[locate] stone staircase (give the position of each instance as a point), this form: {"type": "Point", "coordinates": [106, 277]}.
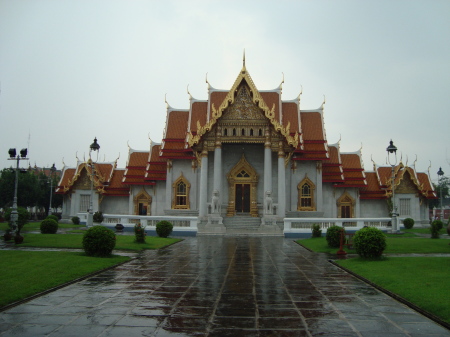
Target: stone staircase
{"type": "Point", "coordinates": [247, 225]}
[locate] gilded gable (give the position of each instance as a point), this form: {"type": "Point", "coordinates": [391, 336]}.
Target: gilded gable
{"type": "Point", "coordinates": [406, 185]}
{"type": "Point", "coordinates": [83, 182]}
{"type": "Point", "coordinates": [243, 108]}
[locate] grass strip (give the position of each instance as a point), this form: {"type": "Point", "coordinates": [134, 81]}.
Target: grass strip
{"type": "Point", "coordinates": [123, 242]}
{"type": "Point", "coordinates": [426, 289]}
{"type": "Point", "coordinates": [395, 245]}
{"type": "Point", "coordinates": [25, 273]}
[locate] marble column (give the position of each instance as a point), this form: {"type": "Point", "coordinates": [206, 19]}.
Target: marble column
{"type": "Point", "coordinates": [281, 212]}
{"type": "Point", "coordinates": [267, 166]}
{"type": "Point", "coordinates": [203, 207]}
{"type": "Point", "coordinates": [169, 185]}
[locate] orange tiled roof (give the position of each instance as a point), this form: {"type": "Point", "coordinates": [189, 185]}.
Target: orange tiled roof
{"type": "Point", "coordinates": [427, 186]}
{"type": "Point", "coordinates": [312, 126]}
{"type": "Point", "coordinates": [216, 98]}
{"type": "Point", "coordinates": [290, 115]}
{"type": "Point", "coordinates": [67, 176]}
{"type": "Point", "coordinates": [272, 98]}
{"type": "Point", "coordinates": [354, 175]}
{"type": "Point", "coordinates": [199, 111]}
{"type": "Point", "coordinates": [176, 127]}
{"type": "Point", "coordinates": [115, 187]}
{"type": "Point", "coordinates": [373, 189]}
{"type": "Point", "coordinates": [156, 167]}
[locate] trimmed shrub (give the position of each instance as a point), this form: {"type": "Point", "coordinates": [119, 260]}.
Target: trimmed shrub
{"type": "Point", "coordinates": [49, 226]}
{"type": "Point", "coordinates": [54, 217]}
{"type": "Point", "coordinates": [76, 220]}
{"type": "Point", "coordinates": [408, 223]}
{"type": "Point", "coordinates": [164, 228]}
{"type": "Point", "coordinates": [24, 216]}
{"type": "Point", "coordinates": [316, 231]}
{"type": "Point", "coordinates": [333, 236]}
{"type": "Point", "coordinates": [436, 226]}
{"type": "Point", "coordinates": [98, 217]}
{"type": "Point", "coordinates": [139, 233]}
{"type": "Point", "coordinates": [369, 242]}
{"type": "Point", "coordinates": [99, 241]}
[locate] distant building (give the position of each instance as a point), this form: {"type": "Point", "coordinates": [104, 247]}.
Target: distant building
{"type": "Point", "coordinates": [245, 152]}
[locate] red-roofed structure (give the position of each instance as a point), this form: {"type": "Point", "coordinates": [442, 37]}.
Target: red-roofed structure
{"type": "Point", "coordinates": [246, 152]}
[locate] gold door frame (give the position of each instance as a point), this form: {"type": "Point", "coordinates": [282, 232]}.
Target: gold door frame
{"type": "Point", "coordinates": [234, 178]}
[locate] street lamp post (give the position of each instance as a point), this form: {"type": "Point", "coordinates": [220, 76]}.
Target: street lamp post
{"type": "Point", "coordinates": [14, 214]}
{"type": "Point", "coordinates": [440, 175]}
{"type": "Point", "coordinates": [94, 147]}
{"type": "Point", "coordinates": [392, 149]}
{"type": "Point", "coordinates": [52, 170]}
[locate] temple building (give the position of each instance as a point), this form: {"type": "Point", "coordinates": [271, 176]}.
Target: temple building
{"type": "Point", "coordinates": [245, 155]}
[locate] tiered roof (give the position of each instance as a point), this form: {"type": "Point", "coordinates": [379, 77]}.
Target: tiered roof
{"type": "Point", "coordinates": [303, 130]}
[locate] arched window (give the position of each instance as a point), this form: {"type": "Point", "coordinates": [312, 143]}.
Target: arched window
{"type": "Point", "coordinates": [251, 132]}
{"type": "Point", "coordinates": [234, 132]}
{"type": "Point", "coordinates": [243, 132]}
{"type": "Point", "coordinates": [181, 189]}
{"type": "Point", "coordinates": [306, 190]}
{"type": "Point", "coordinates": [225, 132]}
{"type": "Point", "coordinates": [260, 132]}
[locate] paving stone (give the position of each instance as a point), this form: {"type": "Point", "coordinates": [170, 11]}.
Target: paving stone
{"type": "Point", "coordinates": [220, 286]}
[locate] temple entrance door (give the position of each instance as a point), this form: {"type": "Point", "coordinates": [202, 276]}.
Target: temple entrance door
{"type": "Point", "coordinates": [242, 198]}
{"type": "Point", "coordinates": [346, 211]}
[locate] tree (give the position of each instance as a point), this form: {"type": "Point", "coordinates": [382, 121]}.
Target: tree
{"type": "Point", "coordinates": [32, 190]}
{"type": "Point", "coordinates": [444, 184]}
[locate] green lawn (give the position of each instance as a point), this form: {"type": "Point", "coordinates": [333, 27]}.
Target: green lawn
{"type": "Point", "coordinates": [125, 242]}
{"type": "Point", "coordinates": [396, 244]}
{"type": "Point", "coordinates": [421, 280]}
{"type": "Point", "coordinates": [25, 273]}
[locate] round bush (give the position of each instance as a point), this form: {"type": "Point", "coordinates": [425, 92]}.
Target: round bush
{"type": "Point", "coordinates": [369, 242]}
{"type": "Point", "coordinates": [164, 228]}
{"type": "Point", "coordinates": [333, 236]}
{"type": "Point", "coordinates": [54, 217]}
{"type": "Point", "coordinates": [316, 231]}
{"type": "Point", "coordinates": [76, 220]}
{"type": "Point", "coordinates": [438, 224]}
{"type": "Point", "coordinates": [408, 223]}
{"type": "Point", "coordinates": [49, 226]}
{"type": "Point", "coordinates": [99, 241]}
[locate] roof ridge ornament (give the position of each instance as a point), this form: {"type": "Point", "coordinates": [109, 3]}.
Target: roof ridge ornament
{"type": "Point", "coordinates": [243, 60]}
{"type": "Point", "coordinates": [190, 96]}
{"type": "Point", "coordinates": [300, 93]}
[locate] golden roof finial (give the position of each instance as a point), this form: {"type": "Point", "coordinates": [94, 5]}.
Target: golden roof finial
{"type": "Point", "coordinates": [243, 60]}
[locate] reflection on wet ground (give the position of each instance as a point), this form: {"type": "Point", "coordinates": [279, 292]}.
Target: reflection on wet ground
{"type": "Point", "coordinates": [220, 286]}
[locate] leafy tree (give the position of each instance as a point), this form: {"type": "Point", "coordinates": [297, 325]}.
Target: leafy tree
{"type": "Point", "coordinates": [32, 190]}
{"type": "Point", "coordinates": [444, 184]}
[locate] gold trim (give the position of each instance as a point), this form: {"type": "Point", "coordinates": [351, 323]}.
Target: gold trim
{"type": "Point", "coordinates": [180, 179]}
{"type": "Point", "coordinates": [346, 200]}
{"type": "Point", "coordinates": [229, 99]}
{"type": "Point", "coordinates": [312, 187]}
{"type": "Point", "coordinates": [233, 179]}
{"type": "Point", "coordinates": [146, 198]}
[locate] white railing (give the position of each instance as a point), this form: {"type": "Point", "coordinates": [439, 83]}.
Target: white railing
{"type": "Point", "coordinates": [185, 223]}
{"type": "Point", "coordinates": [303, 225]}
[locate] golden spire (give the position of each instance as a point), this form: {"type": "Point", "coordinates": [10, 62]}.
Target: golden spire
{"type": "Point", "coordinates": [243, 60]}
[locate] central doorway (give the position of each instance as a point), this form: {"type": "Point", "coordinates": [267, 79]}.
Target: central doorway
{"type": "Point", "coordinates": [243, 181]}
{"type": "Point", "coordinates": [242, 198]}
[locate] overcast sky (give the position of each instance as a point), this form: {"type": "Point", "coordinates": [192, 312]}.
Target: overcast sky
{"type": "Point", "coordinates": [74, 70]}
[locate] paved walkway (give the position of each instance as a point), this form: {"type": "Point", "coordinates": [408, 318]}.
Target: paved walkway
{"type": "Point", "coordinates": [219, 286]}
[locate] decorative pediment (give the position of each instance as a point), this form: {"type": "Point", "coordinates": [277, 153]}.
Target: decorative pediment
{"type": "Point", "coordinates": [243, 171]}
{"type": "Point", "coordinates": [243, 108]}
{"type": "Point", "coordinates": [235, 94]}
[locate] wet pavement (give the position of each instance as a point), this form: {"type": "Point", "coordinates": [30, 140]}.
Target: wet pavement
{"type": "Point", "coordinates": [219, 286]}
